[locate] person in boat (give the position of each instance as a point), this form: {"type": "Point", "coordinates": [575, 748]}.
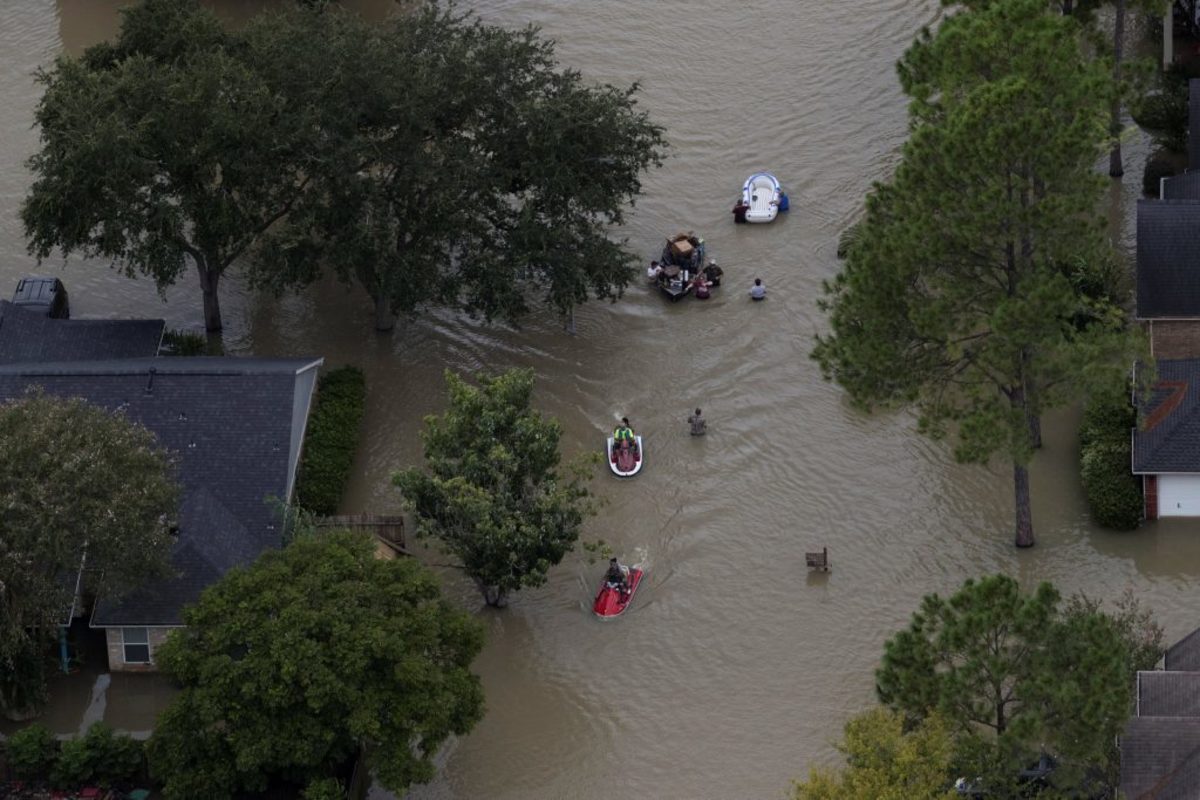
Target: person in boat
{"type": "Point", "coordinates": [623, 435]}
{"type": "Point", "coordinates": [758, 291]}
{"type": "Point", "coordinates": [739, 210]}
{"type": "Point", "coordinates": [699, 426]}
{"type": "Point", "coordinates": [616, 575]}
{"type": "Point", "coordinates": [700, 284]}
{"type": "Point", "coordinates": [654, 272]}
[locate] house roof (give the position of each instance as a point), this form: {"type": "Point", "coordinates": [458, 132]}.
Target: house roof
{"type": "Point", "coordinates": [1168, 259]}
{"type": "Point", "coordinates": [1181, 187]}
{"type": "Point", "coordinates": [1184, 655]}
{"type": "Point", "coordinates": [27, 336]}
{"type": "Point", "coordinates": [228, 422]}
{"type": "Point", "coordinates": [1193, 123]}
{"type": "Point", "coordinates": [1167, 438]}
{"type": "Point", "coordinates": [1160, 758]}
{"type": "Point", "coordinates": [1168, 693]}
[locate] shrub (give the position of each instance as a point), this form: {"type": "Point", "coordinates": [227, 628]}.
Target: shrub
{"type": "Point", "coordinates": [186, 343]}
{"type": "Point", "coordinates": [1159, 164]}
{"type": "Point", "coordinates": [1163, 111]}
{"type": "Point", "coordinates": [74, 765]}
{"type": "Point", "coordinates": [115, 759]}
{"type": "Point", "coordinates": [30, 751]}
{"type": "Point", "coordinates": [1113, 493]}
{"type": "Point", "coordinates": [332, 439]}
{"type": "Point", "coordinates": [324, 789]}
{"type": "Point", "coordinates": [1106, 417]}
{"type": "Point", "coordinates": [97, 757]}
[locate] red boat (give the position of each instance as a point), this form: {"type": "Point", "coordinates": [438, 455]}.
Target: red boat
{"type": "Point", "coordinates": [612, 601]}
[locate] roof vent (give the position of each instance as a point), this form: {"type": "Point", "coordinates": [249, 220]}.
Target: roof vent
{"type": "Point", "coordinates": [150, 381]}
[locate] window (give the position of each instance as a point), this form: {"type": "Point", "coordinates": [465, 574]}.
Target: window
{"type": "Point", "coordinates": [136, 642]}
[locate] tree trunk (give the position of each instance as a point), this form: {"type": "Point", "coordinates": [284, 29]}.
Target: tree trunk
{"type": "Point", "coordinates": [1035, 431]}
{"type": "Point", "coordinates": [210, 277]}
{"type": "Point", "coordinates": [385, 320]}
{"type": "Point", "coordinates": [1115, 167]}
{"type": "Point", "coordinates": [494, 596]}
{"type": "Point", "coordinates": [1024, 517]}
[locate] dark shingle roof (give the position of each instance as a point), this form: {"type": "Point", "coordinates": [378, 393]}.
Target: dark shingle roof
{"type": "Point", "coordinates": [1167, 438]}
{"type": "Point", "coordinates": [1181, 187]}
{"type": "Point", "coordinates": [1160, 758]}
{"type": "Point", "coordinates": [1185, 654]}
{"type": "Point", "coordinates": [27, 336]}
{"type": "Point", "coordinates": [1193, 123]}
{"type": "Point", "coordinates": [1168, 694]}
{"type": "Point", "coordinates": [1168, 258]}
{"type": "Point", "coordinates": [229, 423]}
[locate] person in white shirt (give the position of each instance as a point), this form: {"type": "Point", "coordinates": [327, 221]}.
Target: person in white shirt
{"type": "Point", "coordinates": [758, 291]}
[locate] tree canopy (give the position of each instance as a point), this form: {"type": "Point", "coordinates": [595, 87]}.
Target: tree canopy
{"type": "Point", "coordinates": [493, 494]}
{"type": "Point", "coordinates": [171, 147]}
{"type": "Point", "coordinates": [315, 653]}
{"type": "Point", "coordinates": [1017, 671]}
{"type": "Point", "coordinates": [886, 761]}
{"type": "Point", "coordinates": [76, 482]}
{"type": "Point", "coordinates": [957, 295]}
{"type": "Point", "coordinates": [476, 173]}
{"type": "Point", "coordinates": [438, 160]}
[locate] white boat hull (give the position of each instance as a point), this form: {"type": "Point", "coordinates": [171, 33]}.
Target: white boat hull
{"type": "Point", "coordinates": [637, 467]}
{"type": "Point", "coordinates": [762, 193]}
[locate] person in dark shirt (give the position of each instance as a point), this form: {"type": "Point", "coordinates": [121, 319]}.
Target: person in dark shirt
{"type": "Point", "coordinates": [739, 211]}
{"type": "Point", "coordinates": [616, 575]}
{"type": "Point", "coordinates": [699, 426]}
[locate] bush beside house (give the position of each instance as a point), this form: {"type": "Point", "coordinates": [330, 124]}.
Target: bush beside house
{"type": "Point", "coordinates": [332, 439]}
{"type": "Point", "coordinates": [1113, 494]}
{"type": "Point", "coordinates": [99, 758]}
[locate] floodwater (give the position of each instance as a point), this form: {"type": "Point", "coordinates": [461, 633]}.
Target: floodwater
{"type": "Point", "coordinates": [735, 669]}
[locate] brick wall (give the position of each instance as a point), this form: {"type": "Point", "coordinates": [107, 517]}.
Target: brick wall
{"type": "Point", "coordinates": [1150, 488]}
{"type": "Point", "coordinates": [1175, 338]}
{"type": "Point", "coordinates": [116, 650]}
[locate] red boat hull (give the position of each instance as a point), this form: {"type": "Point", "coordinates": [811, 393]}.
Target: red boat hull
{"type": "Point", "coordinates": [612, 602]}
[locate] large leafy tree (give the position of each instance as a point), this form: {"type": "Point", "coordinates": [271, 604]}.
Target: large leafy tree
{"type": "Point", "coordinates": [80, 488]}
{"type": "Point", "coordinates": [478, 174]}
{"type": "Point", "coordinates": [887, 761]}
{"type": "Point", "coordinates": [953, 298]}
{"type": "Point", "coordinates": [174, 146]}
{"type": "Point", "coordinates": [493, 493]}
{"type": "Point", "coordinates": [1016, 670]}
{"type": "Point", "coordinates": [309, 657]}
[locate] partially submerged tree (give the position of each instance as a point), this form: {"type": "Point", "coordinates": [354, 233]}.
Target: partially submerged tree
{"type": "Point", "coordinates": [173, 147]}
{"type": "Point", "coordinates": [494, 494]}
{"type": "Point", "coordinates": [478, 174]}
{"type": "Point", "coordinates": [887, 761]}
{"type": "Point", "coordinates": [953, 299]}
{"type": "Point", "coordinates": [79, 486]}
{"type": "Point", "coordinates": [1016, 670]}
{"type": "Point", "coordinates": [317, 653]}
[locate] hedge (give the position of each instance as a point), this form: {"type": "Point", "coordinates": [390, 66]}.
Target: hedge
{"type": "Point", "coordinates": [1113, 494]}
{"type": "Point", "coordinates": [30, 752]}
{"type": "Point", "coordinates": [98, 757]}
{"type": "Point", "coordinates": [187, 343]}
{"type": "Point", "coordinates": [334, 430]}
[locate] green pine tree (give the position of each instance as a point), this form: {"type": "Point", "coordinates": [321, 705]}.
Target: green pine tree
{"type": "Point", "coordinates": [954, 298]}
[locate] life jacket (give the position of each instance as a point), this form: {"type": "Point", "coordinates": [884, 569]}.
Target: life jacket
{"type": "Point", "coordinates": [622, 432]}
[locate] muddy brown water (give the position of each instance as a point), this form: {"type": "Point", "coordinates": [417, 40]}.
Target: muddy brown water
{"type": "Point", "coordinates": [735, 669]}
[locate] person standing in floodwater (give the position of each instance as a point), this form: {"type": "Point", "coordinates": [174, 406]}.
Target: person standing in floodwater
{"type": "Point", "coordinates": [699, 426]}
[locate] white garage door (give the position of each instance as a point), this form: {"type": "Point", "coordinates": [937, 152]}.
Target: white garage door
{"type": "Point", "coordinates": [1179, 495]}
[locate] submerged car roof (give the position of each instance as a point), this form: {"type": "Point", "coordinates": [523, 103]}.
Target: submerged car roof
{"type": "Point", "coordinates": [35, 290]}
